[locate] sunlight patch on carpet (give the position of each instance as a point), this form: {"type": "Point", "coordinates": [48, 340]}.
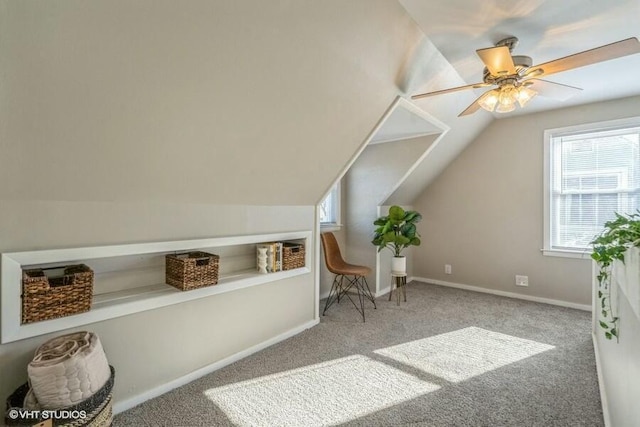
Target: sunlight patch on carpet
{"type": "Point", "coordinates": [323, 394]}
{"type": "Point", "coordinates": [459, 355]}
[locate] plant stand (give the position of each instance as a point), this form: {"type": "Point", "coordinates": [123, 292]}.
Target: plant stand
{"type": "Point", "coordinates": [400, 282]}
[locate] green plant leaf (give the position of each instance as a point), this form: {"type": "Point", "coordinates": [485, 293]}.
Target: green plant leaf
{"type": "Point", "coordinates": [389, 236]}
{"type": "Point", "coordinates": [603, 325]}
{"type": "Point", "coordinates": [396, 213]}
{"type": "Point", "coordinates": [607, 335]}
{"type": "Point", "coordinates": [412, 217]}
{"type": "Point", "coordinates": [408, 230]}
{"type": "Point", "coordinates": [599, 294]}
{"type": "Point", "coordinates": [604, 313]}
{"type": "Point", "coordinates": [386, 228]}
{"type": "Point", "coordinates": [402, 240]}
{"type": "Point", "coordinates": [614, 332]}
{"type": "Point", "coordinates": [397, 230]}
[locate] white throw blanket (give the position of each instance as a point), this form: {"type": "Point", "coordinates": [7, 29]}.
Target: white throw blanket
{"type": "Point", "coordinates": [66, 370]}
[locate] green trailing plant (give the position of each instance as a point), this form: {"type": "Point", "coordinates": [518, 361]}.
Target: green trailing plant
{"type": "Point", "coordinates": [618, 235]}
{"type": "Point", "coordinates": [397, 230]}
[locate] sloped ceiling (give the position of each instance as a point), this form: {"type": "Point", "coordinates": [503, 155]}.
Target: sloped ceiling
{"type": "Point", "coordinates": [427, 65]}
{"type": "Point", "coordinates": [250, 102]}
{"type": "Point", "coordinates": [546, 29]}
{"type": "Point", "coordinates": [225, 102]}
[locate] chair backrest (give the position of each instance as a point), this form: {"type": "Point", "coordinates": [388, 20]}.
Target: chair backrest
{"type": "Point", "coordinates": [332, 256]}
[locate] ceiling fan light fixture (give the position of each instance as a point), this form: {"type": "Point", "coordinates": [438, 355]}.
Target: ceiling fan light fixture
{"type": "Point", "coordinates": [525, 95]}
{"type": "Point", "coordinates": [508, 96]}
{"type": "Point", "coordinates": [489, 100]}
{"type": "Point", "coordinates": [505, 108]}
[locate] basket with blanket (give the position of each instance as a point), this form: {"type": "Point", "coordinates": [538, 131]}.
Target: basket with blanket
{"type": "Point", "coordinates": [70, 384]}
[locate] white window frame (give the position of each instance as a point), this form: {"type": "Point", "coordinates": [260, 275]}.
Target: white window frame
{"type": "Point", "coordinates": [335, 198]}
{"type": "Point", "coordinates": [548, 170]}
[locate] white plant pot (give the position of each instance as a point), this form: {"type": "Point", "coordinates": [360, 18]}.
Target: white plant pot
{"type": "Point", "coordinates": [399, 264]}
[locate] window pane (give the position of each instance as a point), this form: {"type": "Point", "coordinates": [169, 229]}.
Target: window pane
{"type": "Point", "coordinates": [329, 207]}
{"type": "Point", "coordinates": [325, 210]}
{"type": "Point", "coordinates": [597, 174]}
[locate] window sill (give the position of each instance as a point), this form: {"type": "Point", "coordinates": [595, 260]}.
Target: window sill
{"type": "Point", "coordinates": [330, 227]}
{"type": "Point", "coordinates": [584, 254]}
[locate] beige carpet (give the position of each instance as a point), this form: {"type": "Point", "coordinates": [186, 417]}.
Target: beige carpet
{"type": "Point", "coordinates": [447, 357]}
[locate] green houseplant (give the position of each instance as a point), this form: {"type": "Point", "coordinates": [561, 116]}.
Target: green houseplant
{"type": "Point", "coordinates": [618, 235]}
{"type": "Point", "coordinates": [397, 231]}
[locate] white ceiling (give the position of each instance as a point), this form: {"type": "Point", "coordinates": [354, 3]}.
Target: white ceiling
{"type": "Point", "coordinates": [547, 30]}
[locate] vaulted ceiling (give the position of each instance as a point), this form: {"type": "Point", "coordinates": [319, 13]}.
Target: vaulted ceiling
{"type": "Point", "coordinates": [546, 30]}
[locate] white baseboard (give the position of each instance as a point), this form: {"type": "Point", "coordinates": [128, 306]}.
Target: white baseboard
{"type": "Point", "coordinates": [560, 303]}
{"type": "Point", "coordinates": [164, 388]}
{"type": "Point", "coordinates": [383, 291]}
{"type": "Point", "coordinates": [603, 390]}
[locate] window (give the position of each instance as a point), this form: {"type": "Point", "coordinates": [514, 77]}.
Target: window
{"type": "Point", "coordinates": [591, 172]}
{"type": "Point", "coordinates": [330, 208]}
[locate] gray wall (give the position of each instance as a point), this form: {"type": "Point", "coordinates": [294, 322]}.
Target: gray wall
{"type": "Point", "coordinates": [483, 214]}
{"type": "Point", "coordinates": [194, 102]}
{"type": "Point", "coordinates": [151, 348]}
{"type": "Point", "coordinates": [372, 177]}
{"type": "Point", "coordinates": [154, 120]}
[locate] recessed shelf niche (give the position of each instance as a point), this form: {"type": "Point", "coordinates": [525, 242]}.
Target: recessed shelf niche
{"type": "Point", "coordinates": [130, 278]}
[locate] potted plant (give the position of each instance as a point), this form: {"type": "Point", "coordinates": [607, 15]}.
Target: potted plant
{"type": "Point", "coordinates": [396, 232]}
{"type": "Point", "coordinates": [617, 237]}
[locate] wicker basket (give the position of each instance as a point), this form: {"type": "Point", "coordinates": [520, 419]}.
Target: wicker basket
{"type": "Point", "coordinates": [191, 270]}
{"type": "Point", "coordinates": [292, 255]}
{"type": "Point", "coordinates": [98, 408]}
{"type": "Point", "coordinates": [46, 298]}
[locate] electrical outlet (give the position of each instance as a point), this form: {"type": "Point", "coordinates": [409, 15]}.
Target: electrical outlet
{"type": "Point", "coordinates": [522, 280]}
{"type": "Point", "coordinates": [447, 269]}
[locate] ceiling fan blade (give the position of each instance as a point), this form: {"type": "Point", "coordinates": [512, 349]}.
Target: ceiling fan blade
{"type": "Point", "coordinates": [599, 54]}
{"type": "Point", "coordinates": [453, 89]}
{"type": "Point", "coordinates": [552, 90]}
{"type": "Point", "coordinates": [475, 106]}
{"type": "Point", "coordinates": [498, 60]}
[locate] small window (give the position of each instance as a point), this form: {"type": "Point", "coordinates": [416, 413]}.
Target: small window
{"type": "Point", "coordinates": [591, 173]}
{"type": "Point", "coordinates": [330, 208]}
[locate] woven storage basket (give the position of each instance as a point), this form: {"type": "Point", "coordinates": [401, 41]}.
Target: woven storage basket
{"type": "Point", "coordinates": [292, 255]}
{"type": "Point", "coordinates": [51, 297]}
{"type": "Point", "coordinates": [191, 270]}
{"type": "Point", "coordinates": [98, 408]}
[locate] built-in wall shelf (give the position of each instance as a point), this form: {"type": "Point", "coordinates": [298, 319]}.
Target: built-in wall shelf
{"type": "Point", "coordinates": [122, 261]}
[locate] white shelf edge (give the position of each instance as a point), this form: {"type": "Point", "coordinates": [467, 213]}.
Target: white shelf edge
{"type": "Point", "coordinates": [143, 302]}
{"type": "Point", "coordinates": [13, 330]}
{"type": "Point", "coordinates": [92, 252]}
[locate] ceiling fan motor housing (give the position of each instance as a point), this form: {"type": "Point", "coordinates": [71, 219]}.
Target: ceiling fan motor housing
{"type": "Point", "coordinates": [522, 64]}
{"type": "Point", "coordinates": [510, 42]}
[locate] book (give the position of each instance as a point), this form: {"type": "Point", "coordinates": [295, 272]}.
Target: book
{"type": "Point", "coordinates": [278, 256]}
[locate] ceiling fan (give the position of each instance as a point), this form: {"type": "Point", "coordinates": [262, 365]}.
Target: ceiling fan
{"type": "Point", "coordinates": [518, 81]}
